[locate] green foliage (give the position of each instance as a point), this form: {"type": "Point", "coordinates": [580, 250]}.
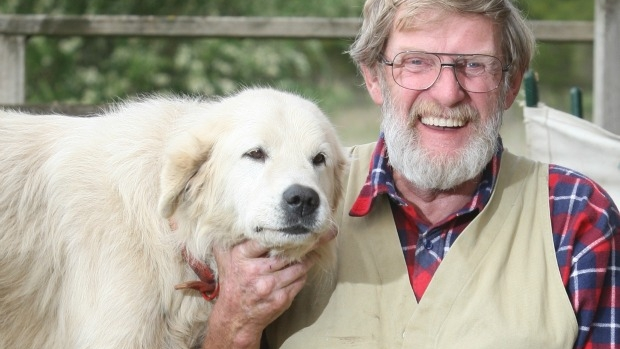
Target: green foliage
{"type": "Point", "coordinates": [88, 70]}
{"type": "Point", "coordinates": [558, 10]}
{"type": "Point", "coordinates": [322, 8]}
{"type": "Point", "coordinates": [96, 70]}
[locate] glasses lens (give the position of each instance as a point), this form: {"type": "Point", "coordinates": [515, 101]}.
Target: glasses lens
{"type": "Point", "coordinates": [416, 70]}
{"type": "Point", "coordinates": [478, 73]}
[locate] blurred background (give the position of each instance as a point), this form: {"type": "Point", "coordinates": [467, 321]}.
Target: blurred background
{"type": "Point", "coordinates": [99, 70]}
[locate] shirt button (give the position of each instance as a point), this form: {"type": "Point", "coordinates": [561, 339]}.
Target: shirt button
{"type": "Point", "coordinates": [428, 245]}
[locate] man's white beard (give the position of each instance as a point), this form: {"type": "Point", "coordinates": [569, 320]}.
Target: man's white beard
{"type": "Point", "coordinates": [436, 170]}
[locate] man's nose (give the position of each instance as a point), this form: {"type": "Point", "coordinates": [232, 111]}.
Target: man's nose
{"type": "Point", "coordinates": [446, 89]}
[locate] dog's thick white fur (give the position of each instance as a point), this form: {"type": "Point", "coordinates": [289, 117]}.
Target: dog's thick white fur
{"type": "Point", "coordinates": [87, 255]}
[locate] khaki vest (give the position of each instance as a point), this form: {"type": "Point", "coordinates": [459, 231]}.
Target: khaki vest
{"type": "Point", "coordinates": [498, 287]}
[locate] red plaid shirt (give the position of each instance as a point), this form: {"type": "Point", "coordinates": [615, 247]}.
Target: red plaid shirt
{"type": "Point", "coordinates": [585, 224]}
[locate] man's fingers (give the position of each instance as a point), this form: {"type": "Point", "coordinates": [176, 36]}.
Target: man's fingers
{"type": "Point", "coordinates": [248, 249]}
{"type": "Point", "coordinates": [251, 249]}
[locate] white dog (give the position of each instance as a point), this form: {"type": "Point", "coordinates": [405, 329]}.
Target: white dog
{"type": "Point", "coordinates": [101, 217]}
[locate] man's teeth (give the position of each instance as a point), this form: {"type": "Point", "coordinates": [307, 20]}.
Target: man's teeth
{"type": "Point", "coordinates": [442, 122]}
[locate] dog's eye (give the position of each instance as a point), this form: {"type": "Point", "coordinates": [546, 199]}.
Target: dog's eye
{"type": "Point", "coordinates": [319, 159]}
{"type": "Point", "coordinates": [256, 154]}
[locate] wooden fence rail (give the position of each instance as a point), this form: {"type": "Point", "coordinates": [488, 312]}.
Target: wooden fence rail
{"type": "Point", "coordinates": [14, 30]}
{"type": "Point", "coordinates": [234, 27]}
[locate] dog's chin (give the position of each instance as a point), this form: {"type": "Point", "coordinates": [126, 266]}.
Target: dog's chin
{"type": "Point", "coordinates": [290, 254]}
{"type": "Point", "coordinates": [290, 243]}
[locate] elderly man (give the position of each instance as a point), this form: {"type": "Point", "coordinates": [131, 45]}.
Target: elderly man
{"type": "Point", "coordinates": [446, 240]}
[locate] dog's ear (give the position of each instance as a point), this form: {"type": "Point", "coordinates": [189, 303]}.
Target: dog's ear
{"type": "Point", "coordinates": [183, 158]}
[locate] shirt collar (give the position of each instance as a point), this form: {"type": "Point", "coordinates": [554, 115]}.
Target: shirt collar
{"type": "Point", "coordinates": [380, 181]}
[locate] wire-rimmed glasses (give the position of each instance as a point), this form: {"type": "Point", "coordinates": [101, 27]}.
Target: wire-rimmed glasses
{"type": "Point", "coordinates": [417, 70]}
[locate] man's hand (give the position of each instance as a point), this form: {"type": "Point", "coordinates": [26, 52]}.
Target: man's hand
{"type": "Point", "coordinates": [254, 291]}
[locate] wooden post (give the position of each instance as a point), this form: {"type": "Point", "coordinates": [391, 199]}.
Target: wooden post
{"type": "Point", "coordinates": [12, 69]}
{"type": "Point", "coordinates": [606, 109]}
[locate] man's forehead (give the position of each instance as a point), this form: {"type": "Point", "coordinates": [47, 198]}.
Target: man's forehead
{"type": "Point", "coordinates": [434, 30]}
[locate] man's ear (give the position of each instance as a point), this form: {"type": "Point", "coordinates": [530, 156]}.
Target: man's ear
{"type": "Point", "coordinates": [373, 84]}
{"type": "Point", "coordinates": [513, 89]}
{"type": "Point", "coordinates": [183, 158]}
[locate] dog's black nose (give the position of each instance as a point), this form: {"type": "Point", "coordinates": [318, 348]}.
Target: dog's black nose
{"type": "Point", "coordinates": [300, 200]}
